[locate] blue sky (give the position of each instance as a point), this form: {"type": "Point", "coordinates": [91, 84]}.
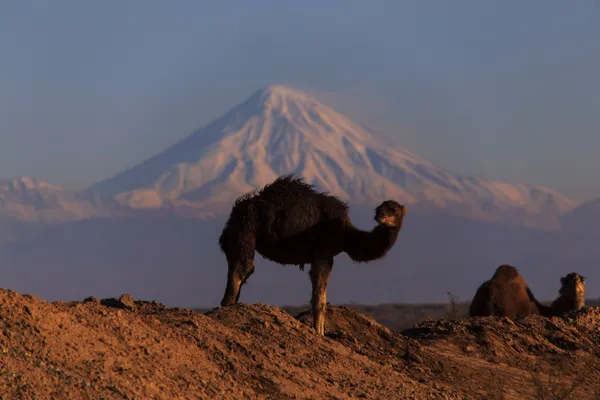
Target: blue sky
{"type": "Point", "coordinates": [506, 90]}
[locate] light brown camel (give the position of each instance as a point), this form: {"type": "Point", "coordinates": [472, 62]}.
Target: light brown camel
{"type": "Point", "coordinates": [572, 296]}
{"type": "Point", "coordinates": [288, 222]}
{"type": "Point", "coordinates": [504, 295]}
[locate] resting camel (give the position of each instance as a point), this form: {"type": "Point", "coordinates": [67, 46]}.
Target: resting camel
{"type": "Point", "coordinates": [572, 296]}
{"type": "Point", "coordinates": [288, 222]}
{"type": "Point", "coordinates": [507, 294]}
{"type": "Point", "coordinates": [504, 295]}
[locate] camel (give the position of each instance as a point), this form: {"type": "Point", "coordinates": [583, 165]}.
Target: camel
{"type": "Point", "coordinates": [504, 295]}
{"type": "Point", "coordinates": [290, 223]}
{"type": "Point", "coordinates": [572, 296]}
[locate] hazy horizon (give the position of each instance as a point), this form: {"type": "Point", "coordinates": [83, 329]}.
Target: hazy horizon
{"type": "Point", "coordinates": [506, 90]}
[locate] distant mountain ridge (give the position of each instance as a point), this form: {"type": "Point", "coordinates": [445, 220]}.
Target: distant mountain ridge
{"type": "Point", "coordinates": [280, 130]}
{"type": "Point", "coordinates": [133, 232]}
{"type": "Point", "coordinates": [30, 199]}
{"type": "Point", "coordinates": [584, 217]}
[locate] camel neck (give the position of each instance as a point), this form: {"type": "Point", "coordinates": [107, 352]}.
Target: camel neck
{"type": "Point", "coordinates": [363, 246]}
{"type": "Point", "coordinates": [579, 302]}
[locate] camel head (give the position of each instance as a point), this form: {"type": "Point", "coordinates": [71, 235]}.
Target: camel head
{"type": "Point", "coordinates": [573, 286]}
{"type": "Point", "coordinates": [390, 213]}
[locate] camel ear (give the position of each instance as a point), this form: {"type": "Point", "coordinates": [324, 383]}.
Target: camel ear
{"type": "Point", "coordinates": [404, 210]}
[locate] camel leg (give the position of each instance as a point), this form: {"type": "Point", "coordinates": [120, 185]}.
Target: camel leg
{"type": "Point", "coordinates": [250, 272]}
{"type": "Point", "coordinates": [319, 276]}
{"type": "Point", "coordinates": [239, 270]}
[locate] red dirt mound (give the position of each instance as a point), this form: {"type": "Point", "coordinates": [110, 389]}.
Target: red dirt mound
{"type": "Point", "coordinates": [112, 349]}
{"type": "Point", "coordinates": [318, 367]}
{"type": "Point", "coordinates": [348, 323]}
{"type": "Point", "coordinates": [126, 349]}
{"type": "Point", "coordinates": [518, 357]}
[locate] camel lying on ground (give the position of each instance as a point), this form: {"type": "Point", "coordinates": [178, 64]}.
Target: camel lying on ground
{"type": "Point", "coordinates": [571, 296]}
{"type": "Point", "coordinates": [504, 295]}
{"type": "Point", "coordinates": [507, 294]}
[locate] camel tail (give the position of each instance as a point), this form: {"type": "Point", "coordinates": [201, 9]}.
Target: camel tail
{"type": "Point", "coordinates": [240, 224]}
{"type": "Point", "coordinates": [223, 240]}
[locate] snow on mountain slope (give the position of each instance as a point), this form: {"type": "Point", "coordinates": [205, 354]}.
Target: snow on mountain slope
{"type": "Point", "coordinates": [279, 130]}
{"type": "Point", "coordinates": [29, 199]}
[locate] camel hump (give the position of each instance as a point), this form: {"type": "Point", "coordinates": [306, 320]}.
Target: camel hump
{"type": "Point", "coordinates": [286, 185]}
{"type": "Point", "coordinates": [506, 273]}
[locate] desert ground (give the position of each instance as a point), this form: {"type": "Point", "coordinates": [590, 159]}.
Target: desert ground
{"type": "Point", "coordinates": [122, 348]}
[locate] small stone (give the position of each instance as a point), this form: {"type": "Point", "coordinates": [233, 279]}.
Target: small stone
{"type": "Point", "coordinates": [127, 300]}
{"type": "Point", "coordinates": [123, 302]}
{"type": "Point", "coordinates": [91, 299]}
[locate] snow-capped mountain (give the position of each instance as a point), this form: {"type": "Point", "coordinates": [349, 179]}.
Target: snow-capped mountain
{"type": "Point", "coordinates": [280, 130]}
{"type": "Point", "coordinates": [29, 199]}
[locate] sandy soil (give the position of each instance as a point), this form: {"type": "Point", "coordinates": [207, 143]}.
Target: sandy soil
{"type": "Point", "coordinates": [126, 349]}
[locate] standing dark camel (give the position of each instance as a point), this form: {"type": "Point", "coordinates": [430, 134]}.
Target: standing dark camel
{"type": "Point", "coordinates": [288, 222]}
